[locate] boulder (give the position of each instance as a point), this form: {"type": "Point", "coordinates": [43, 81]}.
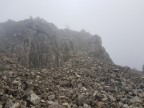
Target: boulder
{"type": "Point", "coordinates": [33, 98]}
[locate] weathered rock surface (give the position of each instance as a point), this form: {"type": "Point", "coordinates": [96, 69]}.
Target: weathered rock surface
{"type": "Point", "coordinates": [36, 43]}
{"type": "Point", "coordinates": [73, 70]}
{"type": "Point", "coordinates": [79, 83]}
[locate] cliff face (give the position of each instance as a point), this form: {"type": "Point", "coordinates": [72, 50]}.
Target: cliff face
{"type": "Point", "coordinates": [36, 43]}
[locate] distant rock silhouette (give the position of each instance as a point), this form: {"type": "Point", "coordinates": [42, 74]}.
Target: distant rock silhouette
{"type": "Point", "coordinates": [35, 43]}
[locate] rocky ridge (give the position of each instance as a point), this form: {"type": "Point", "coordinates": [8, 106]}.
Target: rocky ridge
{"type": "Point", "coordinates": [42, 66]}
{"type": "Point", "coordinates": [35, 43]}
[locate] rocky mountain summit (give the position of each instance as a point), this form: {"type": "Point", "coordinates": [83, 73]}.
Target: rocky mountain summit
{"type": "Point", "coordinates": [45, 67]}
{"type": "Point", "coordinates": [35, 43]}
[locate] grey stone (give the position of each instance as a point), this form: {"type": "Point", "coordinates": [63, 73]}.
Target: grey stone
{"type": "Point", "coordinates": [112, 98]}
{"type": "Point", "coordinates": [33, 98]}
{"type": "Point", "coordinates": [125, 106]}
{"type": "Point", "coordinates": [56, 106]}
{"type": "Point", "coordinates": [135, 99]}
{"type": "Point", "coordinates": [9, 103]}
{"type": "Point", "coordinates": [43, 101]}
{"type": "Point", "coordinates": [86, 105]}
{"type": "Point", "coordinates": [52, 103]}
{"type": "Point", "coordinates": [81, 99]}
{"type": "Point", "coordinates": [51, 97]}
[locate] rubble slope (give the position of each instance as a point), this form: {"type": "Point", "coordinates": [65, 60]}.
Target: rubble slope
{"type": "Point", "coordinates": [82, 82]}
{"type": "Point", "coordinates": [42, 66]}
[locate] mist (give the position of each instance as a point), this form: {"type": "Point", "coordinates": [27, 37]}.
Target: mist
{"type": "Point", "coordinates": [120, 23]}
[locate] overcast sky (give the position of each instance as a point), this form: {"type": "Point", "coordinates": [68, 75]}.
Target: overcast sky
{"type": "Point", "coordinates": [120, 23]}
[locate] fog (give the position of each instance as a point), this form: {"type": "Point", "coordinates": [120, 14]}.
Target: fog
{"type": "Point", "coordinates": [120, 23]}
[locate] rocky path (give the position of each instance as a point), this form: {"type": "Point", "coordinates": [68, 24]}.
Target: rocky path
{"type": "Point", "coordinates": [81, 82]}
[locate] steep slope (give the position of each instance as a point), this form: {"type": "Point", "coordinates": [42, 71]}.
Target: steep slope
{"type": "Point", "coordinates": [82, 82]}
{"type": "Point", "coordinates": [36, 43]}
{"type": "Point", "coordinates": [76, 70]}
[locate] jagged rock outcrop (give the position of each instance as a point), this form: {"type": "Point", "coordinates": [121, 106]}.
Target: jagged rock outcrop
{"type": "Point", "coordinates": [85, 76]}
{"type": "Point", "coordinates": [36, 43]}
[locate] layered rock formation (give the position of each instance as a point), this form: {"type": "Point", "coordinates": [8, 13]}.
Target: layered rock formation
{"type": "Point", "coordinates": [36, 43]}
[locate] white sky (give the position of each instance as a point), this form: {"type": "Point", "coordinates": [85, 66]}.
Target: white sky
{"type": "Point", "coordinates": [120, 23]}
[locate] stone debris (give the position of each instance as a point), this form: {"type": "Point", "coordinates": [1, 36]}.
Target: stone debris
{"type": "Point", "coordinates": [56, 106]}
{"type": "Point", "coordinates": [51, 97]}
{"type": "Point", "coordinates": [66, 105]}
{"type": "Point", "coordinates": [52, 103]}
{"type": "Point", "coordinates": [135, 99]}
{"type": "Point", "coordinates": [89, 84]}
{"type": "Point", "coordinates": [86, 106]}
{"type": "Point", "coordinates": [33, 98]}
